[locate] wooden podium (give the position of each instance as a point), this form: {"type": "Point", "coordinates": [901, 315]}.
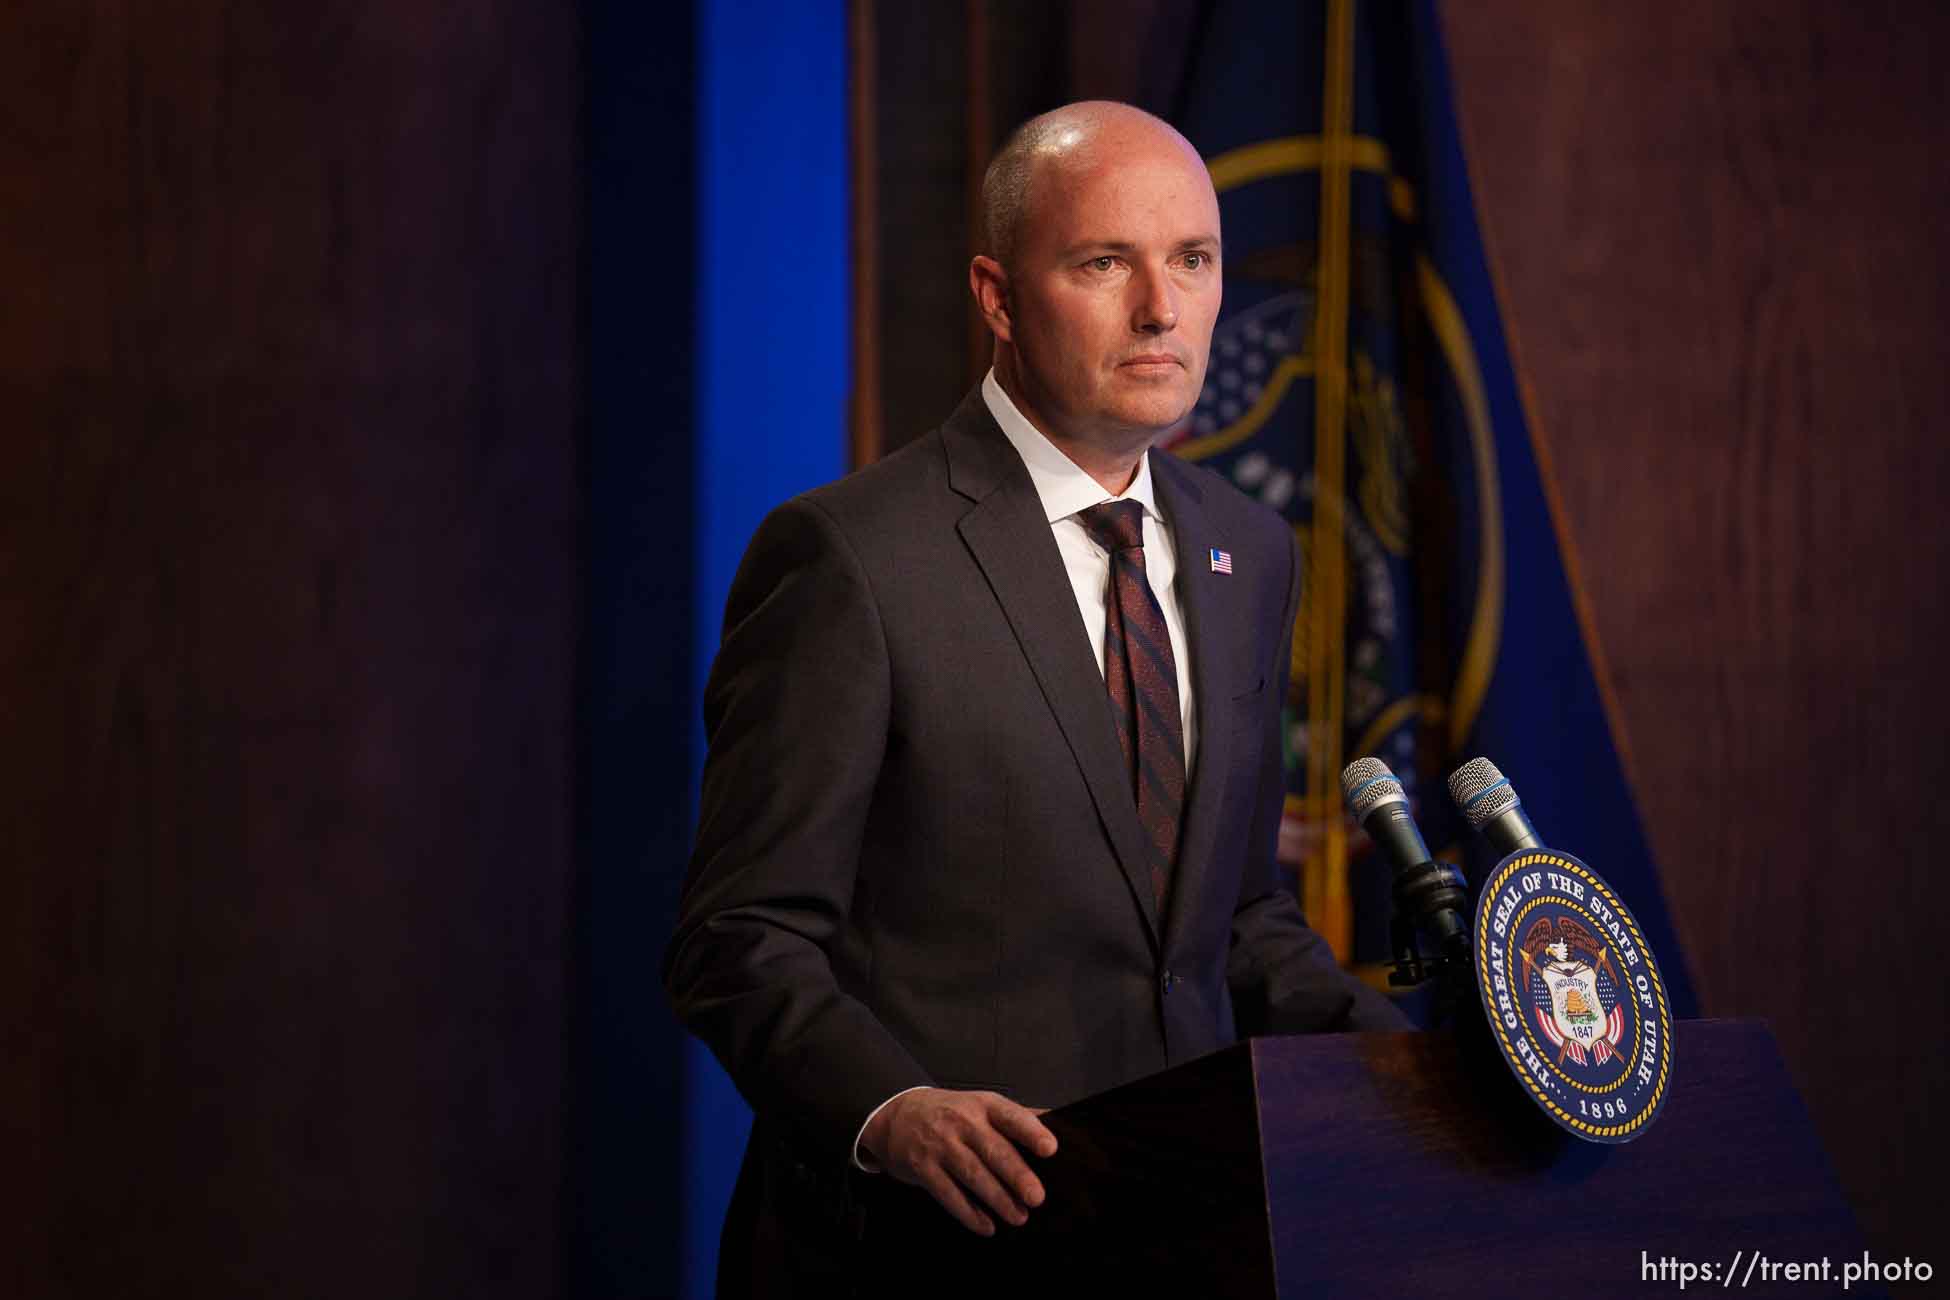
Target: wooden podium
{"type": "Point", "coordinates": [1403, 1165]}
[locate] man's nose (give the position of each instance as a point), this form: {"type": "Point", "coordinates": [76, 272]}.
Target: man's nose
{"type": "Point", "coordinates": [1157, 305]}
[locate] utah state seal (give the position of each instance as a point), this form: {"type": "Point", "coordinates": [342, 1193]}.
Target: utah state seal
{"type": "Point", "coordinates": [1573, 996]}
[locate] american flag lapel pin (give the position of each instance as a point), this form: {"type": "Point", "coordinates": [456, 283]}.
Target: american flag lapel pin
{"type": "Point", "coordinates": [1221, 561]}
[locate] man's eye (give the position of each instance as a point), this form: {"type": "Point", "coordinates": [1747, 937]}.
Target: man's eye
{"type": "Point", "coordinates": [1193, 261]}
{"type": "Point", "coordinates": [1102, 263]}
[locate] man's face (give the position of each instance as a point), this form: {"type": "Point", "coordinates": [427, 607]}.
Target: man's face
{"type": "Point", "coordinates": [1115, 288]}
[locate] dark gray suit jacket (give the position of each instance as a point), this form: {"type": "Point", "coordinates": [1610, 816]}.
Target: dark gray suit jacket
{"type": "Point", "coordinates": [918, 855]}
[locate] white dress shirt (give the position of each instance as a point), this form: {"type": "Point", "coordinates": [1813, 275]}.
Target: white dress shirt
{"type": "Point", "coordinates": [1065, 489]}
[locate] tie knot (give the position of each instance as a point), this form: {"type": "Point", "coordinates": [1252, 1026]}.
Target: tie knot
{"type": "Point", "coordinates": [1116, 525]}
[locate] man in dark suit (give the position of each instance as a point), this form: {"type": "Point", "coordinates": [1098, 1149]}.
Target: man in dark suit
{"type": "Point", "coordinates": [995, 769]}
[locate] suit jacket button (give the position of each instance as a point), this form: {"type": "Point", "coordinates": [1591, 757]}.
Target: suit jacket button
{"type": "Point", "coordinates": [1165, 982]}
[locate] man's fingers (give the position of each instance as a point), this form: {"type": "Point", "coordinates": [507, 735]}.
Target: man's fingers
{"type": "Point", "coordinates": [1020, 1125]}
{"type": "Point", "coordinates": [974, 1174]}
{"type": "Point", "coordinates": [944, 1190]}
{"type": "Point", "coordinates": [1005, 1162]}
{"type": "Point", "coordinates": [962, 1148]}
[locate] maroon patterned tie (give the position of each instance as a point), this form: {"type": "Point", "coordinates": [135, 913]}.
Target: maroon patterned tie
{"type": "Point", "coordinates": [1143, 682]}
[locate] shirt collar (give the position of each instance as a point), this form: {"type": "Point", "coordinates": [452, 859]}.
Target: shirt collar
{"type": "Point", "coordinates": [1060, 482]}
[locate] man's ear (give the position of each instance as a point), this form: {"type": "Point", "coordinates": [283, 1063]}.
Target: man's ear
{"type": "Point", "coordinates": [990, 285]}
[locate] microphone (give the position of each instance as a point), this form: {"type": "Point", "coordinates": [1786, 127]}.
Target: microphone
{"type": "Point", "coordinates": [1484, 796]}
{"type": "Point", "coordinates": [1427, 893]}
{"type": "Point", "coordinates": [1379, 803]}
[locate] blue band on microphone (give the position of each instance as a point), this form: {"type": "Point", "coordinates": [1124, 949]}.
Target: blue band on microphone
{"type": "Point", "coordinates": [1486, 789]}
{"type": "Point", "coordinates": [1355, 794]}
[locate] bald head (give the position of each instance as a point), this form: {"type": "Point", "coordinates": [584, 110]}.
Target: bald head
{"type": "Point", "coordinates": [1072, 137]}
{"type": "Point", "coordinates": [1102, 282]}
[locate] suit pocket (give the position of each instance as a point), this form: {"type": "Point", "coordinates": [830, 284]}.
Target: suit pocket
{"type": "Point", "coordinates": [1250, 693]}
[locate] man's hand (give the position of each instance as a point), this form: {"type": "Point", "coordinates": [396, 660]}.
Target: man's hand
{"type": "Point", "coordinates": [961, 1146]}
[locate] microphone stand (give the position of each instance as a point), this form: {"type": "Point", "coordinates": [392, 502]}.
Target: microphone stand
{"type": "Point", "coordinates": [1431, 904]}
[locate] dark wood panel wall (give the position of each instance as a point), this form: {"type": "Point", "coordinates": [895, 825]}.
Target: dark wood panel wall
{"type": "Point", "coordinates": [287, 601]}
{"type": "Point", "coordinates": [1719, 230]}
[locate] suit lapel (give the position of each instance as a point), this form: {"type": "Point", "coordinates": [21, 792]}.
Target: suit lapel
{"type": "Point", "coordinates": [1010, 539]}
{"type": "Point", "coordinates": [1215, 624]}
